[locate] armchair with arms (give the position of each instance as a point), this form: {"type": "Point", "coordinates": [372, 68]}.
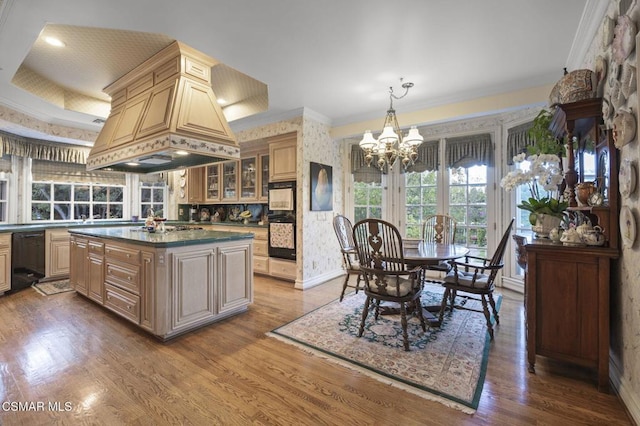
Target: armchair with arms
{"type": "Point", "coordinates": [476, 275]}
{"type": "Point", "coordinates": [386, 275]}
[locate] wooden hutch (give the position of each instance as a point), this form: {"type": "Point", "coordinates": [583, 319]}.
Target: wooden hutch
{"type": "Point", "coordinates": [567, 288]}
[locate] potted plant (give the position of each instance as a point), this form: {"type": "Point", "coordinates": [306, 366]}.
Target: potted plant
{"type": "Point", "coordinates": [543, 175]}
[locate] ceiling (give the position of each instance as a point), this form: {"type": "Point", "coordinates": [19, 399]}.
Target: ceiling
{"type": "Point", "coordinates": [336, 58]}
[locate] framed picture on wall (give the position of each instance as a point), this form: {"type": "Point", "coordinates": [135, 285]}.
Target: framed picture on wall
{"type": "Point", "coordinates": [321, 187]}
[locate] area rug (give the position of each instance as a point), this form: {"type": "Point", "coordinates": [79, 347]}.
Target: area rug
{"type": "Point", "coordinates": [53, 287]}
{"type": "Point", "coordinates": [446, 364]}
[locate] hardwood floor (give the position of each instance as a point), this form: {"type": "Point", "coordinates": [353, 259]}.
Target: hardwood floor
{"type": "Point", "coordinates": [65, 349]}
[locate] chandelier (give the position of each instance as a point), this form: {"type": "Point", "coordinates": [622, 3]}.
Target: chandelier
{"type": "Point", "coordinates": [391, 144]}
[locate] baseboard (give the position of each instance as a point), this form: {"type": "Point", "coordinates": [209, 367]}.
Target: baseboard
{"type": "Point", "coordinates": [628, 398]}
{"type": "Point", "coordinates": [318, 279]}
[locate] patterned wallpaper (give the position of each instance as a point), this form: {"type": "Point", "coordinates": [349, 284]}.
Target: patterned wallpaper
{"type": "Point", "coordinates": [625, 288]}
{"type": "Point", "coordinates": [317, 251]}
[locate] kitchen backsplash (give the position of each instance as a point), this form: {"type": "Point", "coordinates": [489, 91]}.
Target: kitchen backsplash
{"type": "Point", "coordinates": [221, 212]}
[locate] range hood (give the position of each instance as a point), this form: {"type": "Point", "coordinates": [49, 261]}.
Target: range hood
{"type": "Point", "coordinates": [164, 116]}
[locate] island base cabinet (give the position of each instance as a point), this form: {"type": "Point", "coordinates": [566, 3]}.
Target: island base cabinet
{"type": "Point", "coordinates": [166, 291]}
{"type": "Point", "coordinates": [79, 252]}
{"type": "Point", "coordinates": [193, 290]}
{"type": "Point", "coordinates": [232, 295]}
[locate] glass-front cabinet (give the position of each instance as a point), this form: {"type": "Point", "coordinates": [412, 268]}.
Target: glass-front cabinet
{"type": "Point", "coordinates": [229, 180]}
{"type": "Point", "coordinates": [248, 179]}
{"type": "Point", "coordinates": [213, 182]}
{"type": "Point", "coordinates": [264, 176]}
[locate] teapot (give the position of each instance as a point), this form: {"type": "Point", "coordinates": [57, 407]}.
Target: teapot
{"type": "Point", "coordinates": [555, 234]}
{"type": "Point", "coordinates": [571, 237]}
{"type": "Point", "coordinates": [584, 228]}
{"type": "Point", "coordinates": [595, 237]}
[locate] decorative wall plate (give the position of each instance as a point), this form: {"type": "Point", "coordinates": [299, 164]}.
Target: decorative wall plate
{"type": "Point", "coordinates": [628, 80]}
{"type": "Point", "coordinates": [182, 172]}
{"type": "Point", "coordinates": [183, 182]}
{"type": "Point", "coordinates": [601, 74]}
{"type": "Point", "coordinates": [628, 177]}
{"type": "Point", "coordinates": [627, 227]}
{"type": "Point", "coordinates": [607, 31]}
{"type": "Point", "coordinates": [624, 39]}
{"type": "Point", "coordinates": [624, 128]}
{"type": "Point", "coordinates": [607, 111]}
{"type": "Point", "coordinates": [617, 97]}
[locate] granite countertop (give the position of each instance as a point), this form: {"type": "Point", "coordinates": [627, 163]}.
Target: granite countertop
{"type": "Point", "coordinates": [137, 235]}
{"type": "Point", "coordinates": [92, 224]}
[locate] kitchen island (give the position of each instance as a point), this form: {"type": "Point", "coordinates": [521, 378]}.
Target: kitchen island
{"type": "Point", "coordinates": [165, 283]}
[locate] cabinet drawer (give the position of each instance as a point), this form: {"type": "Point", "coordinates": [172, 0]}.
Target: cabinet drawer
{"type": "Point", "coordinates": [261, 264]}
{"type": "Point", "coordinates": [122, 302]}
{"type": "Point", "coordinates": [260, 248]}
{"type": "Point", "coordinates": [5, 241]}
{"type": "Point", "coordinates": [282, 269]}
{"type": "Point", "coordinates": [260, 234]}
{"type": "Point", "coordinates": [124, 276]}
{"type": "Point", "coordinates": [96, 247]}
{"type": "Point", "coordinates": [122, 253]}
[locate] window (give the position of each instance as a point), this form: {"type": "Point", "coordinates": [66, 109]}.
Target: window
{"type": "Point", "coordinates": [75, 201]}
{"type": "Point", "coordinates": [367, 200]}
{"type": "Point", "coordinates": [421, 200]}
{"type": "Point", "coordinates": [468, 206]}
{"type": "Point", "coordinates": [3, 200]}
{"type": "Point", "coordinates": [152, 196]}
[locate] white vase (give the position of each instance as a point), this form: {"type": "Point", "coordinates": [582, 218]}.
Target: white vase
{"type": "Point", "coordinates": [544, 224]}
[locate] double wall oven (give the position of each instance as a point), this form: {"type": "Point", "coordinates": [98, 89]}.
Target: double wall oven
{"type": "Point", "coordinates": [282, 220]}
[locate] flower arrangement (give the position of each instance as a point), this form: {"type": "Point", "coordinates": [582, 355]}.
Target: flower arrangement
{"type": "Point", "coordinates": [544, 173]}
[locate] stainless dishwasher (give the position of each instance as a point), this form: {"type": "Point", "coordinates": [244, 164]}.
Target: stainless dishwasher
{"type": "Point", "coordinates": [27, 258]}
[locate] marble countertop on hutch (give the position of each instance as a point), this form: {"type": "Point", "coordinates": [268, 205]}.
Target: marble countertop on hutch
{"type": "Point", "coordinates": [165, 283]}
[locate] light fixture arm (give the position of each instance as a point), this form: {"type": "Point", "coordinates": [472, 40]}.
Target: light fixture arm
{"type": "Point", "coordinates": [392, 144]}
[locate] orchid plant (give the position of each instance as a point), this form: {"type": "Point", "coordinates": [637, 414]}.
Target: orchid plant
{"type": "Point", "coordinates": [543, 178]}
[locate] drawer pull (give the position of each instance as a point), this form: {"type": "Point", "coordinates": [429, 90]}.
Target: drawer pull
{"type": "Point", "coordinates": [129, 278]}
{"type": "Point", "coordinates": [129, 307]}
{"type": "Point", "coordinates": [128, 255]}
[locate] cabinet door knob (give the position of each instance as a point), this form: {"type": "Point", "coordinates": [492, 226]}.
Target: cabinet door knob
{"type": "Point", "coordinates": [129, 278]}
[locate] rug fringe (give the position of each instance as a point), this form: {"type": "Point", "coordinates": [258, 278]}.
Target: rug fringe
{"type": "Point", "coordinates": [386, 380]}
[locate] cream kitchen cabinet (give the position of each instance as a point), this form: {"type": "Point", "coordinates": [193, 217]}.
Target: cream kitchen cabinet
{"type": "Point", "coordinates": [5, 262]}
{"type": "Point", "coordinates": [263, 167]}
{"type": "Point", "coordinates": [163, 286]}
{"type": "Point", "coordinates": [229, 181]}
{"type": "Point", "coordinates": [213, 183]}
{"type": "Point", "coordinates": [57, 252]}
{"type": "Point", "coordinates": [195, 185]}
{"type": "Point", "coordinates": [260, 244]}
{"type": "Point", "coordinates": [282, 158]}
{"type": "Point", "coordinates": [79, 248]}
{"type": "Point", "coordinates": [248, 179]}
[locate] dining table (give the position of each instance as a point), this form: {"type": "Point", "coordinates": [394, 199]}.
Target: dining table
{"type": "Point", "coordinates": [425, 254]}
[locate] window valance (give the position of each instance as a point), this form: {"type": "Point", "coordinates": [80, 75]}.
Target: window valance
{"type": "Point", "coordinates": [153, 178]}
{"type": "Point", "coordinates": [361, 172]}
{"type": "Point", "coordinates": [5, 163]}
{"type": "Point", "coordinates": [428, 154]}
{"type": "Point", "coordinates": [45, 171]}
{"type": "Point", "coordinates": [467, 151]}
{"type": "Point", "coordinates": [518, 140]}
{"type": "Point", "coordinates": [41, 150]}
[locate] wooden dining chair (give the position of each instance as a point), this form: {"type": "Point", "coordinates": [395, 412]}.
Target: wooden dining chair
{"type": "Point", "coordinates": [441, 229]}
{"type": "Point", "coordinates": [386, 275]}
{"type": "Point", "coordinates": [476, 275]}
{"type": "Point", "coordinates": [521, 259]}
{"type": "Point", "coordinates": [344, 231]}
